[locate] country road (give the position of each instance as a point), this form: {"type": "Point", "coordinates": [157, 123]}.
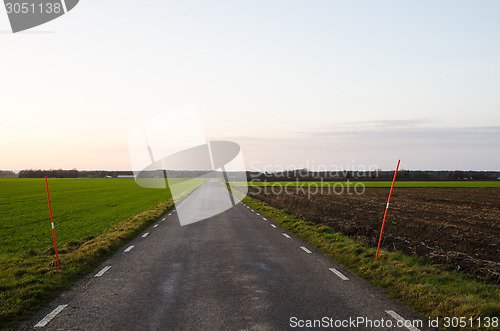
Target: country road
{"type": "Point", "coordinates": [234, 271]}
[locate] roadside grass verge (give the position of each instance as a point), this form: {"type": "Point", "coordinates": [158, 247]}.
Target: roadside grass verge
{"type": "Point", "coordinates": [432, 290]}
{"type": "Point", "coordinates": [29, 277]}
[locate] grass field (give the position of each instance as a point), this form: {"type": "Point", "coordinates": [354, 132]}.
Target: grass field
{"type": "Point", "coordinates": [378, 184]}
{"type": "Point", "coordinates": [81, 207]}
{"type": "Point", "coordinates": [93, 217]}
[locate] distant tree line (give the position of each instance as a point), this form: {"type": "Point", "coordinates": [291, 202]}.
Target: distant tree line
{"type": "Point", "coordinates": [7, 174]}
{"type": "Point", "coordinates": [52, 173]}
{"type": "Point", "coordinates": [377, 175]}
{"type": "Point", "coordinates": [60, 173]}
{"type": "Point", "coordinates": [103, 173]}
{"type": "Point", "coordinates": [291, 175]}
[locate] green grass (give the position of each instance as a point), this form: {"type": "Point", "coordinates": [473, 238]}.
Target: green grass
{"type": "Point", "coordinates": [93, 218]}
{"type": "Point", "coordinates": [429, 289]}
{"type": "Point", "coordinates": [378, 184]}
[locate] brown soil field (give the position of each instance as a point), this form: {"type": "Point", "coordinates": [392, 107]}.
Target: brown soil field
{"type": "Point", "coordinates": [456, 227]}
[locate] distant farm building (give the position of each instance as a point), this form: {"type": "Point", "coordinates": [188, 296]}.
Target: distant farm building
{"type": "Point", "coordinates": [125, 176]}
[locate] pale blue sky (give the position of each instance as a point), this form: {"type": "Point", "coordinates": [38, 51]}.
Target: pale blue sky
{"type": "Point", "coordinates": [294, 82]}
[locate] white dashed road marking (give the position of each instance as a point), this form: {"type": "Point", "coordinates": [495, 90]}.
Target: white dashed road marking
{"type": "Point", "coordinates": [274, 226]}
{"type": "Point", "coordinates": [163, 219]}
{"type": "Point", "coordinates": [145, 235]}
{"type": "Point", "coordinates": [100, 273]}
{"type": "Point", "coordinates": [406, 323]}
{"type": "Point", "coordinates": [129, 248]}
{"type": "Point", "coordinates": [305, 250]}
{"type": "Point", "coordinates": [338, 273]}
{"type": "Point", "coordinates": [156, 225]}
{"type": "Point", "coordinates": [265, 219]}
{"type": "Point", "coordinates": [50, 316]}
{"type": "Point", "coordinates": [286, 236]}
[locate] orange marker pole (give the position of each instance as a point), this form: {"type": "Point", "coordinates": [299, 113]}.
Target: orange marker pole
{"type": "Point", "coordinates": [52, 222]}
{"type": "Point", "coordinates": [386, 210]}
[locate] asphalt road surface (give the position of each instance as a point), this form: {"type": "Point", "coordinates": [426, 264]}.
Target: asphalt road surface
{"type": "Point", "coordinates": [234, 271]}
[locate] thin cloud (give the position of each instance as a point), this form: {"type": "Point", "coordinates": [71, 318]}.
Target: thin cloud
{"type": "Point", "coordinates": [420, 144]}
{"type": "Point", "coordinates": [390, 130]}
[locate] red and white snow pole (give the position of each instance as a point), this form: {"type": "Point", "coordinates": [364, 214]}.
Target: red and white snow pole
{"type": "Point", "coordinates": [52, 222]}
{"type": "Point", "coordinates": [387, 209]}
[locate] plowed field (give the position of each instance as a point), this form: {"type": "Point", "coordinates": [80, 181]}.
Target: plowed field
{"type": "Point", "coordinates": [456, 227]}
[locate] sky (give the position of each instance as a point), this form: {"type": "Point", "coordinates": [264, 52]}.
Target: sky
{"type": "Point", "coordinates": [336, 84]}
